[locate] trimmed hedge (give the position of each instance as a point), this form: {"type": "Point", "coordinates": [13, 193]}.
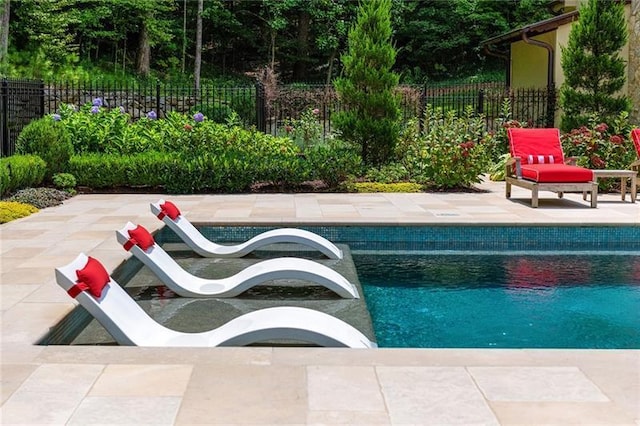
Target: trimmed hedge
{"type": "Point", "coordinates": [21, 171]}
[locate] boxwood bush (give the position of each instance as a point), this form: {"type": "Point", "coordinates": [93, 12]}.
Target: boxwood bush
{"type": "Point", "coordinates": [20, 171]}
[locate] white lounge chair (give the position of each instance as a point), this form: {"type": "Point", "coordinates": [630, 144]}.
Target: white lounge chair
{"type": "Point", "coordinates": [167, 212]}
{"type": "Point", "coordinates": [138, 240]}
{"type": "Point", "coordinates": [130, 325]}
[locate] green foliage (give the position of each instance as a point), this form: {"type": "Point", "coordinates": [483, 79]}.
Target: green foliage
{"type": "Point", "coordinates": [594, 71]}
{"type": "Point", "coordinates": [449, 153]}
{"type": "Point", "coordinates": [371, 114]}
{"type": "Point", "coordinates": [333, 162]}
{"type": "Point", "coordinates": [441, 39]}
{"type": "Point", "coordinates": [47, 139]}
{"type": "Point", "coordinates": [114, 170]}
{"type": "Point", "coordinates": [305, 131]}
{"type": "Point", "coordinates": [12, 210]}
{"type": "Point", "coordinates": [385, 187]}
{"type": "Point", "coordinates": [65, 181]}
{"type": "Point", "coordinates": [20, 171]}
{"type": "Point", "coordinates": [389, 173]}
{"type": "Point", "coordinates": [602, 146]}
{"type": "Point", "coordinates": [40, 197]}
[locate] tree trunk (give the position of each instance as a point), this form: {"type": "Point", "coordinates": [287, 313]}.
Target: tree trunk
{"type": "Point", "coordinates": [144, 53]}
{"type": "Point", "coordinates": [633, 66]}
{"type": "Point", "coordinates": [184, 34]}
{"type": "Point", "coordinates": [300, 66]}
{"type": "Point", "coordinates": [4, 31]}
{"type": "Point", "coordinates": [198, 59]}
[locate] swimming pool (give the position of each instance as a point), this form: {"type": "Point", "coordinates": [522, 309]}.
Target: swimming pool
{"type": "Point", "coordinates": [493, 286]}
{"type": "Point", "coordinates": [403, 248]}
{"type": "Point", "coordinates": [503, 301]}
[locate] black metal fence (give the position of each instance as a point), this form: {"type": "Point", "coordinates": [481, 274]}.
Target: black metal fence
{"type": "Point", "coordinates": [266, 109]}
{"type": "Point", "coordinates": [20, 102]}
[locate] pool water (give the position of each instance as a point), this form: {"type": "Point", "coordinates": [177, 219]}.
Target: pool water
{"type": "Point", "coordinates": [503, 301]}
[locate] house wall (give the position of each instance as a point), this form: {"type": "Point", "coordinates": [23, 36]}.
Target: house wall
{"type": "Point", "coordinates": [529, 62]}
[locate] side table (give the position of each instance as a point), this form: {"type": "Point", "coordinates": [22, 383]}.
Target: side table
{"type": "Point", "coordinates": [632, 175]}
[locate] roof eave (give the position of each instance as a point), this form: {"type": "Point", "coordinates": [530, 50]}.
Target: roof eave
{"type": "Point", "coordinates": [537, 28]}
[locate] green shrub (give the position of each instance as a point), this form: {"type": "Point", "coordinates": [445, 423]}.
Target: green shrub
{"type": "Point", "coordinates": [449, 153]}
{"type": "Point", "coordinates": [389, 173]}
{"type": "Point", "coordinates": [40, 197]}
{"type": "Point", "coordinates": [113, 170]}
{"type": "Point", "coordinates": [20, 171]}
{"type": "Point", "coordinates": [333, 162]}
{"type": "Point", "coordinates": [49, 140]}
{"type": "Point", "coordinates": [64, 181]}
{"type": "Point", "coordinates": [12, 210]}
{"type": "Point", "coordinates": [600, 146]}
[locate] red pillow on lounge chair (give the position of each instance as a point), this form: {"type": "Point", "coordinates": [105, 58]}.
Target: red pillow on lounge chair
{"type": "Point", "coordinates": [170, 210]}
{"type": "Point", "coordinates": [556, 173]}
{"type": "Point", "coordinates": [141, 237]}
{"type": "Point", "coordinates": [93, 277]}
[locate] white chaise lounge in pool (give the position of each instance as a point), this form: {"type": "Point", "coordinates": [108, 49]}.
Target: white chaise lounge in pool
{"type": "Point", "coordinates": [174, 219]}
{"type": "Point", "coordinates": [86, 280]}
{"type": "Point", "coordinates": [138, 240]}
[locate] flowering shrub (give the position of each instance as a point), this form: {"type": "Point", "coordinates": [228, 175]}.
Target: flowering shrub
{"type": "Point", "coordinates": [305, 131]}
{"type": "Point", "coordinates": [449, 153]}
{"type": "Point", "coordinates": [600, 146]}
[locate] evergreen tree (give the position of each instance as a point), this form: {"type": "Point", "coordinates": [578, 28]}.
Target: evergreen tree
{"type": "Point", "coordinates": [594, 71]}
{"type": "Point", "coordinates": [367, 87]}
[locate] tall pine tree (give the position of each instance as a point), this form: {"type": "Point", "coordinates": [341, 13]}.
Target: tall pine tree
{"type": "Point", "coordinates": [594, 71]}
{"type": "Point", "coordinates": [366, 88]}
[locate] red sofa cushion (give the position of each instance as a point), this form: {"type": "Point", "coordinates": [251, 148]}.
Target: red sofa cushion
{"type": "Point", "coordinates": [556, 173]}
{"type": "Point", "coordinates": [535, 146]}
{"type": "Point", "coordinates": [635, 135]}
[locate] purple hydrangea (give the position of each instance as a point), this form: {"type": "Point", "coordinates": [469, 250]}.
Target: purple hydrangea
{"type": "Point", "coordinates": [97, 102]}
{"type": "Point", "coordinates": [95, 109]}
{"type": "Point", "coordinates": [151, 115]}
{"type": "Point", "coordinates": [56, 117]}
{"type": "Point", "coordinates": [198, 117]}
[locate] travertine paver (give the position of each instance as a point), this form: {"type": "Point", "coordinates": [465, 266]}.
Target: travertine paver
{"type": "Point", "coordinates": [127, 385]}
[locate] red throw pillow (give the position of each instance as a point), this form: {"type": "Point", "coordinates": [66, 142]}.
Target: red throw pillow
{"type": "Point", "coordinates": [94, 276]}
{"type": "Point", "coordinates": [170, 210]}
{"type": "Point", "coordinates": [141, 237]}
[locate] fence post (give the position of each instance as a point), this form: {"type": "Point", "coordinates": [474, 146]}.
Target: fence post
{"type": "Point", "coordinates": [4, 119]}
{"type": "Point", "coordinates": [261, 116]}
{"type": "Point", "coordinates": [551, 105]}
{"type": "Point", "coordinates": [423, 106]}
{"type": "Point", "coordinates": [42, 95]}
{"type": "Point", "coordinates": [480, 109]}
{"type": "Point", "coordinates": [158, 98]}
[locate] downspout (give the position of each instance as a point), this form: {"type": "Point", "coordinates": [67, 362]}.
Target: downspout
{"type": "Point", "coordinates": [550, 62]}
{"type": "Point", "coordinates": [551, 86]}
{"type": "Point", "coordinates": [504, 56]}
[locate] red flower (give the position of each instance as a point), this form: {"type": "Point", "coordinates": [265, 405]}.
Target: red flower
{"type": "Point", "coordinates": [598, 162]}
{"type": "Point", "coordinates": [188, 127]}
{"type": "Point", "coordinates": [616, 140]}
{"type": "Point", "coordinates": [602, 127]}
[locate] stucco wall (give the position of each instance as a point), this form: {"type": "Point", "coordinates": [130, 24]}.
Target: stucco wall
{"type": "Point", "coordinates": [529, 62]}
